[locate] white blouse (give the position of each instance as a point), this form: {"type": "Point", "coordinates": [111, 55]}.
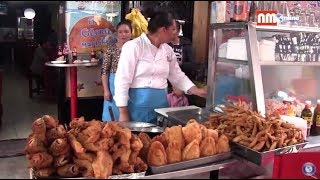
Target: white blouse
{"type": "Point", "coordinates": [142, 65]}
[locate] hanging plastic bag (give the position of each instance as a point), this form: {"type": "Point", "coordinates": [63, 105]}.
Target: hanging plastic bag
{"type": "Point", "coordinates": [138, 22]}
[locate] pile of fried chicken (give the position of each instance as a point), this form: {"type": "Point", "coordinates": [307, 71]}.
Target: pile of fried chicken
{"type": "Point", "coordinates": [179, 143]}
{"type": "Point", "coordinates": [89, 149]}
{"type": "Point", "coordinates": [246, 127]}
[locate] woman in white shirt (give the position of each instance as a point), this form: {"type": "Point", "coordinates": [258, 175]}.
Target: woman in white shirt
{"type": "Point", "coordinates": [145, 65]}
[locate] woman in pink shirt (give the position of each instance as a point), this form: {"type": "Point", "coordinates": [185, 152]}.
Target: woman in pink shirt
{"type": "Point", "coordinates": [177, 98]}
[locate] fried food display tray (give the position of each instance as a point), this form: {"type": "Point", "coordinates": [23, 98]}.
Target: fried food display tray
{"type": "Point", "coordinates": [189, 164]}
{"type": "Point", "coordinates": [123, 176]}
{"type": "Point", "coordinates": [261, 158]}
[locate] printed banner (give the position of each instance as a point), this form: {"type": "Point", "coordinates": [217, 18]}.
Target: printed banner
{"type": "Point", "coordinates": [90, 25]}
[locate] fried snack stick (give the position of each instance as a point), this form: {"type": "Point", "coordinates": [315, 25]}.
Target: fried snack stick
{"type": "Point", "coordinates": [254, 131]}
{"type": "Point", "coordinates": [259, 146]}
{"type": "Point", "coordinates": [259, 135]}
{"type": "Point", "coordinates": [273, 145]}
{"type": "Point", "coordinates": [39, 130]}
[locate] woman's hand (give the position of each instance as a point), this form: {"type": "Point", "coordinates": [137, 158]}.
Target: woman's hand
{"type": "Point", "coordinates": [202, 92]}
{"type": "Point", "coordinates": [107, 95]}
{"type": "Point", "coordinates": [124, 114]}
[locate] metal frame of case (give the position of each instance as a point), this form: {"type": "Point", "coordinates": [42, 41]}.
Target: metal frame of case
{"type": "Point", "coordinates": [254, 63]}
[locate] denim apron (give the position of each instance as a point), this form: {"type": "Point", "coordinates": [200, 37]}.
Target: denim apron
{"type": "Point", "coordinates": [143, 101]}
{"type": "Point", "coordinates": [105, 114]}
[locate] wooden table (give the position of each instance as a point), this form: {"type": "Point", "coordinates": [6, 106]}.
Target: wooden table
{"type": "Point", "coordinates": [73, 87]}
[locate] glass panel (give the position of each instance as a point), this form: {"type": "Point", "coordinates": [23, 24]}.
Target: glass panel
{"type": "Point", "coordinates": [232, 81]}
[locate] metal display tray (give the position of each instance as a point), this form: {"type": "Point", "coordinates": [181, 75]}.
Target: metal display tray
{"type": "Point", "coordinates": [190, 163]}
{"type": "Point", "coordinates": [261, 158]}
{"type": "Point", "coordinates": [123, 176]}
{"type": "Point", "coordinates": [183, 116]}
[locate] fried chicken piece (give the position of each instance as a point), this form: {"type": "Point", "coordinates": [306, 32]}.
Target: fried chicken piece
{"type": "Point", "coordinates": [191, 151]}
{"type": "Point", "coordinates": [174, 133]}
{"type": "Point", "coordinates": [223, 144]}
{"type": "Point", "coordinates": [91, 134]}
{"type": "Point", "coordinates": [191, 132]}
{"type": "Point", "coordinates": [162, 139]}
{"type": "Point", "coordinates": [41, 160]}
{"type": "Point", "coordinates": [75, 144]}
{"type": "Point", "coordinates": [68, 170]}
{"type": "Point", "coordinates": [55, 133]}
{"type": "Point", "coordinates": [45, 172]}
{"type": "Point", "coordinates": [39, 129]}
{"type": "Point", "coordinates": [156, 155]}
{"type": "Point", "coordinates": [146, 141]}
{"type": "Point", "coordinates": [107, 131]}
{"type": "Point", "coordinates": [174, 152]}
{"type": "Point", "coordinates": [101, 144]}
{"type": "Point", "coordinates": [78, 123]}
{"type": "Point", "coordinates": [85, 167]}
{"type": "Point", "coordinates": [119, 150]}
{"type": "Point", "coordinates": [123, 136]}
{"type": "Point", "coordinates": [208, 147]}
{"type": "Point", "coordinates": [135, 143]}
{"type": "Point", "coordinates": [121, 158]}
{"type": "Point", "coordinates": [85, 156]}
{"type": "Point", "coordinates": [50, 121]}
{"type": "Point", "coordinates": [62, 160]}
{"type": "Point", "coordinates": [140, 165]}
{"type": "Point", "coordinates": [102, 165]}
{"type": "Point", "coordinates": [59, 147]}
{"type": "Point", "coordinates": [35, 145]}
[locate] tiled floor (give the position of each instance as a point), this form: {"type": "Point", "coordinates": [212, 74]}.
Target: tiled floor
{"type": "Point", "coordinates": [19, 113]}
{"type": "Point", "coordinates": [19, 110]}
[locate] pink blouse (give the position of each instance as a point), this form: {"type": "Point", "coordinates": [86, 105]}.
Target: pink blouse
{"type": "Point", "coordinates": [175, 101]}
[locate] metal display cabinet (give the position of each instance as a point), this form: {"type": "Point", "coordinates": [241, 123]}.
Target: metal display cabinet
{"type": "Point", "coordinates": [264, 76]}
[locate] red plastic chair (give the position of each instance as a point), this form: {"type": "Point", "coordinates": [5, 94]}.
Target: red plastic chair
{"type": "Point", "coordinates": [302, 165]}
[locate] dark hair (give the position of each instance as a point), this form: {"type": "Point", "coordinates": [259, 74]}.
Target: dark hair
{"type": "Point", "coordinates": [160, 19]}
{"type": "Point", "coordinates": [124, 22]}
{"type": "Point", "coordinates": [178, 25]}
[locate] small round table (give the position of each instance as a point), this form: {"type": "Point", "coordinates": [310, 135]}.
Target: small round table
{"type": "Point", "coordinates": [73, 87]}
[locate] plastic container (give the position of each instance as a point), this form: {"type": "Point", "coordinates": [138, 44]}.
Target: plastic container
{"type": "Point", "coordinates": [267, 50]}
{"type": "Point", "coordinates": [236, 49]}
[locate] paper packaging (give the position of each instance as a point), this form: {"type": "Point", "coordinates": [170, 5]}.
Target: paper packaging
{"type": "Point", "coordinates": [221, 11]}
{"type": "Point", "coordinates": [298, 122]}
{"type": "Point", "coordinates": [267, 50]}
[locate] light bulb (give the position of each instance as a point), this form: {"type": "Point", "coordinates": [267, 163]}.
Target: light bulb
{"type": "Point", "coordinates": [29, 13]}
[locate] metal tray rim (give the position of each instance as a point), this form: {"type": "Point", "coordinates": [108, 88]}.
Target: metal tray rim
{"type": "Point", "coordinates": [190, 163]}
{"type": "Point", "coordinates": [274, 150]}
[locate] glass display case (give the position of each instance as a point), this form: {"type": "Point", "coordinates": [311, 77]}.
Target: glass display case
{"type": "Point", "coordinates": [255, 63]}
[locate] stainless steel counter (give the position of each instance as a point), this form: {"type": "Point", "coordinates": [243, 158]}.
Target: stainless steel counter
{"type": "Point", "coordinates": [193, 171]}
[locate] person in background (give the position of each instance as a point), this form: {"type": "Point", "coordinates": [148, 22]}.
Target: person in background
{"type": "Point", "coordinates": [40, 56]}
{"type": "Point", "coordinates": [109, 68]}
{"type": "Point", "coordinates": [183, 49]}
{"type": "Point", "coordinates": [177, 98]}
{"type": "Point", "coordinates": [145, 65]}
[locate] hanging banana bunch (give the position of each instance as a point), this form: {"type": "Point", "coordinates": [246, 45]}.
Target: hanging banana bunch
{"type": "Point", "coordinates": [138, 22]}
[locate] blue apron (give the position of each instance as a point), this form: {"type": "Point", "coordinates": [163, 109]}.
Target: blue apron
{"type": "Point", "coordinates": [105, 114]}
{"type": "Point", "coordinates": [143, 101]}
